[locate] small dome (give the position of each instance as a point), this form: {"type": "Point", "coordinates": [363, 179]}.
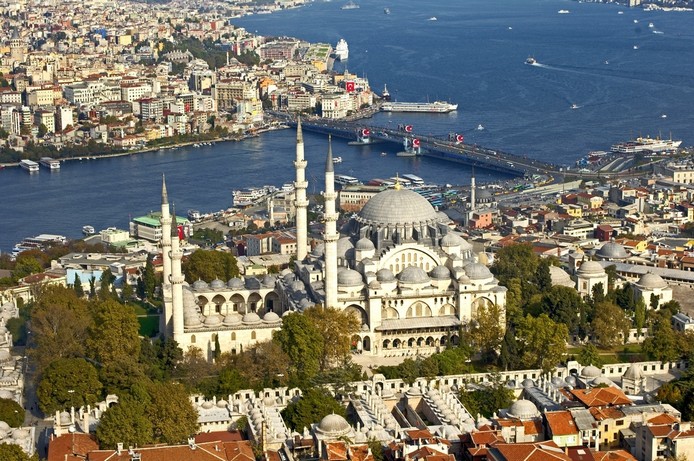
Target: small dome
{"type": "Point", "coordinates": [350, 278]}
{"type": "Point", "coordinates": [477, 271]}
{"type": "Point", "coordinates": [213, 320]}
{"type": "Point", "coordinates": [633, 372]}
{"type": "Point", "coordinates": [268, 281]}
{"type": "Point", "coordinates": [217, 284]}
{"type": "Point", "coordinates": [612, 250]}
{"type": "Point", "coordinates": [591, 268]}
{"type": "Point", "coordinates": [650, 280]}
{"type": "Point", "coordinates": [385, 275]}
{"type": "Point", "coordinates": [333, 425]}
{"type": "Point", "coordinates": [343, 246]}
{"type": "Point", "coordinates": [441, 273]}
{"type": "Point", "coordinates": [235, 283]}
{"type": "Point", "coordinates": [451, 240]}
{"type": "Point", "coordinates": [413, 274]}
{"type": "Point", "coordinates": [200, 285]}
{"type": "Point", "coordinates": [251, 318]}
{"type": "Point", "coordinates": [523, 409]}
{"type": "Point", "coordinates": [365, 244]}
{"type": "Point", "coordinates": [271, 317]}
{"type": "Point", "coordinates": [591, 371]}
{"type": "Point", "coordinates": [232, 318]}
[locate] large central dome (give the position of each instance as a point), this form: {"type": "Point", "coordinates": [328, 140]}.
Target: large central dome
{"type": "Point", "coordinates": [394, 206]}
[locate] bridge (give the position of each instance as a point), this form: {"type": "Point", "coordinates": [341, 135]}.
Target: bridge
{"type": "Point", "coordinates": [436, 147]}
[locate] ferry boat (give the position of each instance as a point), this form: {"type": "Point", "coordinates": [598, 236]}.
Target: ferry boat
{"type": "Point", "coordinates": [349, 6]}
{"type": "Point", "coordinates": [29, 165]}
{"type": "Point", "coordinates": [342, 50]}
{"type": "Point", "coordinates": [646, 144]}
{"type": "Point", "coordinates": [530, 61]}
{"type": "Point", "coordinates": [50, 163]}
{"type": "Point", "coordinates": [439, 107]}
{"type": "Point", "coordinates": [88, 230]}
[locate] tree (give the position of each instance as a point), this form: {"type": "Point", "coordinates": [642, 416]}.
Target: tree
{"type": "Point", "coordinates": [60, 322]}
{"type": "Point", "coordinates": [208, 265]}
{"type": "Point", "coordinates": [11, 412]}
{"type": "Point", "coordinates": [12, 452]}
{"type": "Point", "coordinates": [302, 342]}
{"type": "Point", "coordinates": [171, 412]}
{"type": "Point", "coordinates": [610, 325]}
{"type": "Point", "coordinates": [126, 423]}
{"type": "Point", "coordinates": [68, 383]}
{"type": "Point", "coordinates": [314, 405]}
{"type": "Point", "coordinates": [589, 355]}
{"type": "Point", "coordinates": [487, 329]}
{"type": "Point", "coordinates": [336, 328]}
{"type": "Point", "coordinates": [542, 342]}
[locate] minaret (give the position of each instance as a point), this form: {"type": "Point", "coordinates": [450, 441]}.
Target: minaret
{"type": "Point", "coordinates": [176, 279]}
{"type": "Point", "coordinates": [301, 203]}
{"type": "Point", "coordinates": [330, 235]}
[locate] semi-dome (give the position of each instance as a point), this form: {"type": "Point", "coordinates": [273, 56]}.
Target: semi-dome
{"type": "Point", "coordinates": [591, 268]}
{"type": "Point", "coordinates": [271, 317]}
{"type": "Point", "coordinates": [217, 284]}
{"type": "Point", "coordinates": [612, 250]}
{"type": "Point", "coordinates": [441, 273]}
{"type": "Point", "coordinates": [333, 425]}
{"type": "Point", "coordinates": [397, 206]}
{"type": "Point", "coordinates": [235, 283]}
{"type": "Point", "coordinates": [413, 274]}
{"type": "Point", "coordinates": [650, 280]}
{"type": "Point", "coordinates": [477, 271]}
{"type": "Point", "coordinates": [385, 275]}
{"type": "Point", "coordinates": [365, 244]}
{"type": "Point", "coordinates": [591, 371]}
{"type": "Point", "coordinates": [251, 318]}
{"type": "Point", "coordinates": [349, 277]}
{"type": "Point", "coordinates": [523, 409]}
{"type": "Point", "coordinates": [200, 285]}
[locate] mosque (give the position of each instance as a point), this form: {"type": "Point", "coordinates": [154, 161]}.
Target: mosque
{"type": "Point", "coordinates": [396, 265]}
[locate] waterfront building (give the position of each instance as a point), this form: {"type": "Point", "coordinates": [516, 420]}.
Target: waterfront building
{"type": "Point", "coordinates": [411, 281]}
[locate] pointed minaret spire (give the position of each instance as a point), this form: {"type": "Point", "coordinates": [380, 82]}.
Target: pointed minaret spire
{"type": "Point", "coordinates": [329, 159]}
{"type": "Point", "coordinates": [164, 194]}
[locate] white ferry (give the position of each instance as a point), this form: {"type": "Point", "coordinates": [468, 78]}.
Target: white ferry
{"type": "Point", "coordinates": [646, 144]}
{"type": "Point", "coordinates": [342, 50]}
{"type": "Point", "coordinates": [434, 107]}
{"type": "Point", "coordinates": [50, 163]}
{"type": "Point", "coordinates": [29, 165]}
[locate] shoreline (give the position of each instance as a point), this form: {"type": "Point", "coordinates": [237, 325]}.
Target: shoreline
{"type": "Point", "coordinates": [155, 149]}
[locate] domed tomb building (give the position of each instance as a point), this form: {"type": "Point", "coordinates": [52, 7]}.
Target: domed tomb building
{"type": "Point", "coordinates": [396, 265]}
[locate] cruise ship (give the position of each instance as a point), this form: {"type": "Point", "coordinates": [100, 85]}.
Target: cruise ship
{"type": "Point", "coordinates": [342, 50]}
{"type": "Point", "coordinates": [646, 144]}
{"type": "Point", "coordinates": [435, 107]}
{"type": "Point", "coordinates": [50, 163]}
{"type": "Point", "coordinates": [29, 165]}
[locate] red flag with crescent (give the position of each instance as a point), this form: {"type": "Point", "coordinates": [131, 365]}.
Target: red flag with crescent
{"type": "Point", "coordinates": [459, 138]}
{"type": "Point", "coordinates": [415, 142]}
{"type": "Point", "coordinates": [365, 132]}
{"type": "Point", "coordinates": [408, 128]}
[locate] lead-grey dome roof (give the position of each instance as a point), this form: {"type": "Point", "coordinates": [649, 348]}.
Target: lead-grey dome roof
{"type": "Point", "coordinates": [651, 280]}
{"type": "Point", "coordinates": [612, 250]}
{"type": "Point", "coordinates": [477, 271]}
{"type": "Point", "coordinates": [349, 277]}
{"type": "Point", "coordinates": [413, 274]}
{"type": "Point", "coordinates": [397, 206]}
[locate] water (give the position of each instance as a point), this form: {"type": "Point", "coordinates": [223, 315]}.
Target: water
{"type": "Point", "coordinates": [473, 55]}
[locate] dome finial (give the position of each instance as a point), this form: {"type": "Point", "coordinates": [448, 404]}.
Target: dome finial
{"type": "Point", "coordinates": [397, 185]}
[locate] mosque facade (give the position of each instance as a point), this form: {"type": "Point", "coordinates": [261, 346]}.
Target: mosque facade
{"type": "Point", "coordinates": [412, 282]}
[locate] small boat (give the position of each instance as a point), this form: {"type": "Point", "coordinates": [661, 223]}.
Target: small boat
{"type": "Point", "coordinates": [433, 18]}
{"type": "Point", "coordinates": [480, 127]}
{"type": "Point", "coordinates": [88, 230]}
{"type": "Point", "coordinates": [531, 61]}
